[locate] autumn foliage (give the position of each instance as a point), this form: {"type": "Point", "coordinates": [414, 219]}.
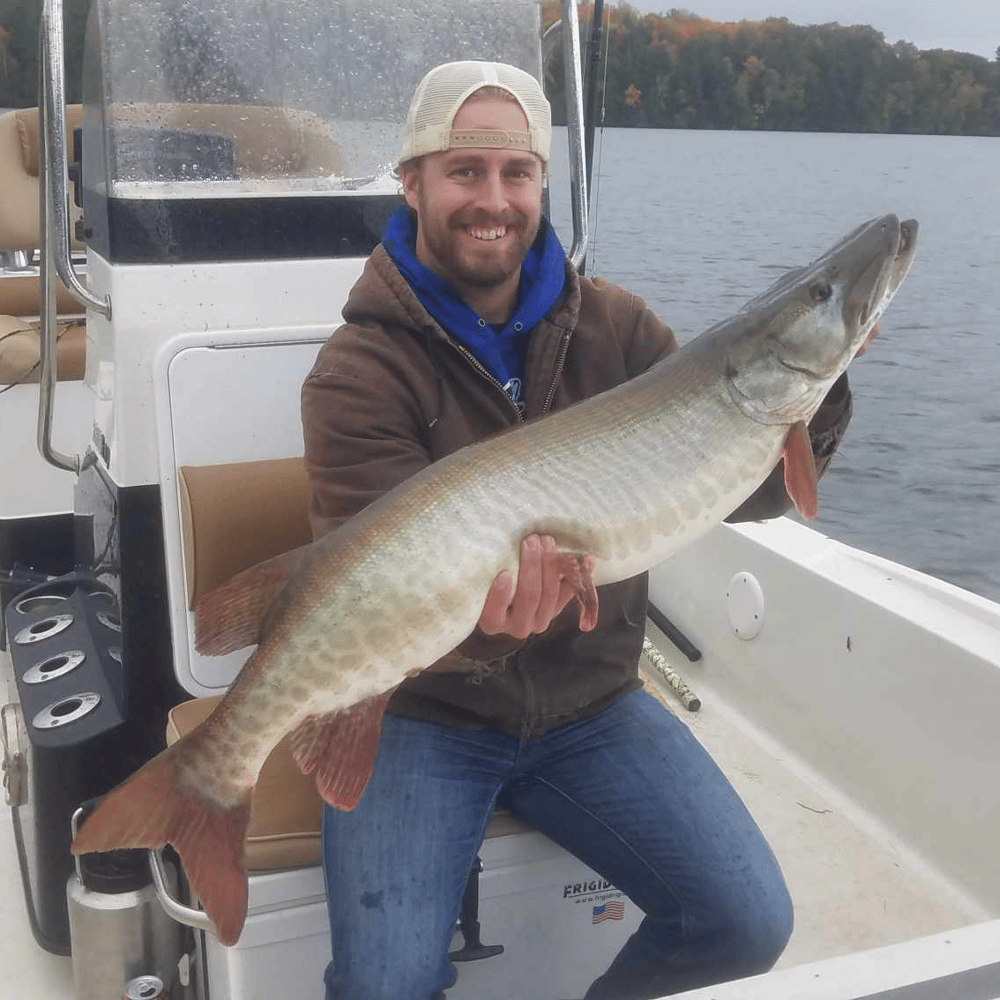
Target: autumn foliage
{"type": "Point", "coordinates": [679, 70]}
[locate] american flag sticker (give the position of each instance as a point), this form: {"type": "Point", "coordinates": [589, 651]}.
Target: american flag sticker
{"type": "Point", "coordinates": [614, 910]}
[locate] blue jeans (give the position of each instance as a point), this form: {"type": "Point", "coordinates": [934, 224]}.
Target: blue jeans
{"type": "Point", "coordinates": [630, 792]}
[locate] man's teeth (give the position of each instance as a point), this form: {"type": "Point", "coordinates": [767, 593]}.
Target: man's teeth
{"type": "Point", "coordinates": [487, 234]}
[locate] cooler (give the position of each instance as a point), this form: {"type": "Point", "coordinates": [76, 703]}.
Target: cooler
{"type": "Point", "coordinates": [560, 926]}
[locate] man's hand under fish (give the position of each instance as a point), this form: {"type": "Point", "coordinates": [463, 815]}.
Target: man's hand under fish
{"type": "Point", "coordinates": [547, 580]}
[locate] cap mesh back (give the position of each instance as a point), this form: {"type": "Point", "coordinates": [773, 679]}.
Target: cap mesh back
{"type": "Point", "coordinates": [443, 91]}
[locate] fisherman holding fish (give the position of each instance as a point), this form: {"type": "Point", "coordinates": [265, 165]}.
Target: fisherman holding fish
{"type": "Point", "coordinates": [420, 660]}
{"type": "Point", "coordinates": [468, 320]}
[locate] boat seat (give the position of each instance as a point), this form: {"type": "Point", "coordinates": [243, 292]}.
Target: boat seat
{"type": "Point", "coordinates": [19, 231]}
{"type": "Point", "coordinates": [20, 351]}
{"type": "Point", "coordinates": [19, 157]}
{"type": "Point", "coordinates": [267, 142]}
{"type": "Point", "coordinates": [235, 516]}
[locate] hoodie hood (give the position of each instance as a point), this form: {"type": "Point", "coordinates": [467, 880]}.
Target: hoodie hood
{"type": "Point", "coordinates": [500, 349]}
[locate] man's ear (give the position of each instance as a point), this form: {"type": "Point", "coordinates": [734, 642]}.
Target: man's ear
{"type": "Point", "coordinates": [409, 177]}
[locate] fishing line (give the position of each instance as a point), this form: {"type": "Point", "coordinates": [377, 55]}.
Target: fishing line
{"type": "Point", "coordinates": [596, 179]}
{"type": "Point", "coordinates": [23, 378]}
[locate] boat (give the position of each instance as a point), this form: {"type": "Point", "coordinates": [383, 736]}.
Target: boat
{"type": "Point", "coordinates": [230, 172]}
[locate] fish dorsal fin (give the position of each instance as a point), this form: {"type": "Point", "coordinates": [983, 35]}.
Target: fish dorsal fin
{"type": "Point", "coordinates": [800, 470]}
{"type": "Point", "coordinates": [230, 616]}
{"type": "Point", "coordinates": [339, 750]}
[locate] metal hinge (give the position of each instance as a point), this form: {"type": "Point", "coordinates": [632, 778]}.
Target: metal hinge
{"type": "Point", "coordinates": [14, 785]}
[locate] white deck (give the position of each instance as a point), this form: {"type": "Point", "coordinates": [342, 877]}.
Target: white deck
{"type": "Point", "coordinates": [27, 970]}
{"type": "Point", "coordinates": [854, 887]}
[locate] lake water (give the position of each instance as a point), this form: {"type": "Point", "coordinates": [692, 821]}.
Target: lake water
{"type": "Point", "coordinates": [698, 222]}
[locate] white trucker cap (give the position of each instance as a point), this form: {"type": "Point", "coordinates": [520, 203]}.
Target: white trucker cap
{"type": "Point", "coordinates": [445, 89]}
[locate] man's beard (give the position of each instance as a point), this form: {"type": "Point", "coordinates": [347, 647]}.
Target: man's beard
{"type": "Point", "coordinates": [477, 273]}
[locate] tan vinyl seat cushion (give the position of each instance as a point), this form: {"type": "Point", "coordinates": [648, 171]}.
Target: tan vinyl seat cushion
{"type": "Point", "coordinates": [19, 296]}
{"type": "Point", "coordinates": [19, 221]}
{"type": "Point", "coordinates": [267, 141]}
{"type": "Point", "coordinates": [286, 809]}
{"type": "Point", "coordinates": [237, 515]}
{"type": "Point", "coordinates": [20, 353]}
{"type": "Point", "coordinates": [19, 230]}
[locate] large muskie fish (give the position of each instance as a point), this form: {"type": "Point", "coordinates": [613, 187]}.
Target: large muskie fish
{"type": "Point", "coordinates": [631, 476]}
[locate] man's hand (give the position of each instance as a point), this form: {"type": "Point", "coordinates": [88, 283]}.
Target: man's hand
{"type": "Point", "coordinates": [873, 333]}
{"type": "Point", "coordinates": [547, 581]}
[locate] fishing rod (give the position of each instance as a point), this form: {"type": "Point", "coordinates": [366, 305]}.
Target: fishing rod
{"type": "Point", "coordinates": [593, 113]}
{"type": "Point", "coordinates": [590, 74]}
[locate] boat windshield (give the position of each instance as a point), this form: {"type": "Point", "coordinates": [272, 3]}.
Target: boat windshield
{"type": "Point", "coordinates": [189, 97]}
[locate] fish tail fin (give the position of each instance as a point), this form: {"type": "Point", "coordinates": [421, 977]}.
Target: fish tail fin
{"type": "Point", "coordinates": [150, 810]}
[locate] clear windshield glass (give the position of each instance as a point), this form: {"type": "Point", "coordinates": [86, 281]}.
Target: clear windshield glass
{"type": "Point", "coordinates": [275, 96]}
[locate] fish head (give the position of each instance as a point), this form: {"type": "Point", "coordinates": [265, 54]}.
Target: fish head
{"type": "Point", "coordinates": [790, 344]}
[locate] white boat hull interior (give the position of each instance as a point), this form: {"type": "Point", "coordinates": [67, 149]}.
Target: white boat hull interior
{"type": "Point", "coordinates": [891, 698]}
{"type": "Point", "coordinates": [32, 487]}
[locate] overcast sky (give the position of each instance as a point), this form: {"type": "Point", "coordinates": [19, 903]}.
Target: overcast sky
{"type": "Point", "coordinates": [965, 25]}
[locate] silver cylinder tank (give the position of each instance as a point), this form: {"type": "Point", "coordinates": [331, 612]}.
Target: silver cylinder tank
{"type": "Point", "coordinates": [118, 929]}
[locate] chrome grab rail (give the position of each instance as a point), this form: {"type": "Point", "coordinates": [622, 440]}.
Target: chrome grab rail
{"type": "Point", "coordinates": [47, 335]}
{"type": "Point", "coordinates": [52, 130]}
{"type": "Point", "coordinates": [54, 224]}
{"type": "Point", "coordinates": [574, 120]}
{"type": "Point", "coordinates": [175, 909]}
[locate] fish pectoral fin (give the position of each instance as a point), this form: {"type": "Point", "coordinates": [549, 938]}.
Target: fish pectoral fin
{"type": "Point", "coordinates": [230, 616]}
{"type": "Point", "coordinates": [577, 571]}
{"type": "Point", "coordinates": [800, 470]}
{"type": "Point", "coordinates": [150, 810]}
{"type": "Point", "coordinates": [339, 750]}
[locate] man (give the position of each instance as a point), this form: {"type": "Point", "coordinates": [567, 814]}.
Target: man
{"type": "Point", "coordinates": [466, 321]}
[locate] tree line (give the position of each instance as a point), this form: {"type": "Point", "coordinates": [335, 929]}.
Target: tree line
{"type": "Point", "coordinates": [679, 70]}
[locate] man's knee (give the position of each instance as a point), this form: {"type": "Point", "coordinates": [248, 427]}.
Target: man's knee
{"type": "Point", "coordinates": [757, 936]}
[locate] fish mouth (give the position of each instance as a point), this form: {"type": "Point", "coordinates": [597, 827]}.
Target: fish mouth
{"type": "Point", "coordinates": [887, 284]}
{"type": "Point", "coordinates": [907, 237]}
{"type": "Point", "coordinates": [904, 253]}
{"type": "Point", "coordinates": [869, 269]}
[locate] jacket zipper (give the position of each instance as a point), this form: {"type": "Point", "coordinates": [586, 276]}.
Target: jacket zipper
{"type": "Point", "coordinates": [487, 374]}
{"type": "Point", "coordinates": [560, 364]}
{"type": "Point", "coordinates": [490, 377]}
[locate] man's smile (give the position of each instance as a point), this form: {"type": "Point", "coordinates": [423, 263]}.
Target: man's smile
{"type": "Point", "coordinates": [486, 234]}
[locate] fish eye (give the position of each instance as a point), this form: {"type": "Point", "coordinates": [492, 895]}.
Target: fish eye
{"type": "Point", "coordinates": [820, 291]}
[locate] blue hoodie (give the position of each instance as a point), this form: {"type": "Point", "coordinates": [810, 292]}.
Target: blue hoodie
{"type": "Point", "coordinates": [500, 349]}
